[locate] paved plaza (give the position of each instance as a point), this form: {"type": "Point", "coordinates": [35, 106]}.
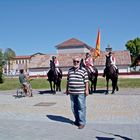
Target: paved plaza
{"type": "Point", "coordinates": [48, 117]}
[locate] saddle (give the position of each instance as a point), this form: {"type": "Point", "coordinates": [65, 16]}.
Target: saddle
{"type": "Point", "coordinates": [115, 69]}
{"type": "Point", "coordinates": [106, 69]}
{"type": "Point", "coordinates": [90, 73]}
{"type": "Point", "coordinates": [56, 72]}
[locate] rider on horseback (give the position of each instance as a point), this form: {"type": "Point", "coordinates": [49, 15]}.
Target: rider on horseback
{"type": "Point", "coordinates": [56, 63]}
{"type": "Point", "coordinates": [88, 62]}
{"type": "Point", "coordinates": [113, 60]}
{"type": "Point", "coordinates": [113, 63]}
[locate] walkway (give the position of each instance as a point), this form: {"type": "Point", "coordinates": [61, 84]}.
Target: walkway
{"type": "Point", "coordinates": [48, 117]}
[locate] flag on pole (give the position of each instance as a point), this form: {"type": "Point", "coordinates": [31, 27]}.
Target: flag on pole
{"type": "Point", "coordinates": [96, 51]}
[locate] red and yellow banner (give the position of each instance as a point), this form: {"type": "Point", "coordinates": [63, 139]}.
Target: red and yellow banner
{"type": "Point", "coordinates": [96, 52]}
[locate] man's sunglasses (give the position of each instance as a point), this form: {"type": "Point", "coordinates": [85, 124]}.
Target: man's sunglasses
{"type": "Point", "coordinates": [76, 61]}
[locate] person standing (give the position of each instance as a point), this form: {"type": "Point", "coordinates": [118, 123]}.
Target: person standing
{"type": "Point", "coordinates": [78, 89]}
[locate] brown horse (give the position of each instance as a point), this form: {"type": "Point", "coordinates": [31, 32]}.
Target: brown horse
{"type": "Point", "coordinates": [110, 73]}
{"type": "Point", "coordinates": [54, 78]}
{"type": "Point", "coordinates": [92, 77]}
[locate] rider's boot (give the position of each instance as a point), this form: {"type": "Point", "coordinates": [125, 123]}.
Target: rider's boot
{"type": "Point", "coordinates": [117, 70]}
{"type": "Point", "coordinates": [56, 72]}
{"type": "Point", "coordinates": [104, 73]}
{"type": "Point", "coordinates": [92, 73]}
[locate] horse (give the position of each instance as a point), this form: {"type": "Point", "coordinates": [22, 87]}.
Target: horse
{"type": "Point", "coordinates": [112, 74]}
{"type": "Point", "coordinates": [54, 78]}
{"type": "Point", "coordinates": [92, 77]}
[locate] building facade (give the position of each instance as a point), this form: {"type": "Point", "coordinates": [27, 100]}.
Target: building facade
{"type": "Point", "coordinates": [38, 64]}
{"type": "Point", "coordinates": [72, 48]}
{"type": "Point", "coordinates": [17, 63]}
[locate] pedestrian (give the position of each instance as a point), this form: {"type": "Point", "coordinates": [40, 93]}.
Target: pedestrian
{"type": "Point", "coordinates": [23, 79]}
{"type": "Point", "coordinates": [78, 89]}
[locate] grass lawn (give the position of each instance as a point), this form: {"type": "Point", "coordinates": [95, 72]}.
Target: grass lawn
{"type": "Point", "coordinates": [41, 83]}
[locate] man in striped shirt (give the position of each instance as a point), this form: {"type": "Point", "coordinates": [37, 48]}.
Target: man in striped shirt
{"type": "Point", "coordinates": [77, 88]}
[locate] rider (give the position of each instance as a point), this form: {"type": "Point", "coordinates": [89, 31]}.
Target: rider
{"type": "Point", "coordinates": [113, 62]}
{"type": "Point", "coordinates": [88, 62]}
{"type": "Point", "coordinates": [23, 79]}
{"type": "Point", "coordinates": [56, 62]}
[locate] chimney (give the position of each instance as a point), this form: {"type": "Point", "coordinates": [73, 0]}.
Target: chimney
{"type": "Point", "coordinates": [108, 49]}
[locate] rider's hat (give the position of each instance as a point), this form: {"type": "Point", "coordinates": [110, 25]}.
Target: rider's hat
{"type": "Point", "coordinates": [87, 54]}
{"type": "Point", "coordinates": [53, 57]}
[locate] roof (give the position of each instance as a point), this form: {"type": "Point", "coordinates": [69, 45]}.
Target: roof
{"type": "Point", "coordinates": [65, 60]}
{"type": "Point", "coordinates": [122, 58]}
{"type": "Point", "coordinates": [38, 53]}
{"type": "Point", "coordinates": [72, 43]}
{"type": "Point", "coordinates": [23, 57]}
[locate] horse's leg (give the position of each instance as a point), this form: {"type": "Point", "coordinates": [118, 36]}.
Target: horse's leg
{"type": "Point", "coordinates": [91, 87]}
{"type": "Point", "coordinates": [117, 88]}
{"type": "Point", "coordinates": [113, 86]}
{"type": "Point", "coordinates": [107, 82]}
{"type": "Point", "coordinates": [54, 84]}
{"type": "Point", "coordinates": [95, 84]}
{"type": "Point", "coordinates": [56, 87]}
{"type": "Point", "coordinates": [51, 86]}
{"type": "Point", "coordinates": [59, 85]}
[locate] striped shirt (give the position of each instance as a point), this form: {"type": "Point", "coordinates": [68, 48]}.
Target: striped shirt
{"type": "Point", "coordinates": [76, 80]}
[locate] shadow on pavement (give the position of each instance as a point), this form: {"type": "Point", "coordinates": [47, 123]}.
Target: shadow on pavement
{"type": "Point", "coordinates": [59, 119]}
{"type": "Point", "coordinates": [123, 137]}
{"type": "Point", "coordinates": [45, 92]}
{"type": "Point", "coordinates": [18, 96]}
{"type": "Point", "coordinates": [99, 92]}
{"type": "Point", "coordinates": [107, 138]}
{"type": "Point", "coordinates": [104, 138]}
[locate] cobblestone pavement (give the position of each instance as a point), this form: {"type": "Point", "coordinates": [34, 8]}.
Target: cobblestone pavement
{"type": "Point", "coordinates": [49, 117]}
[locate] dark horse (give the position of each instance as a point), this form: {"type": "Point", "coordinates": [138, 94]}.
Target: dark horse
{"type": "Point", "coordinates": [92, 77]}
{"type": "Point", "coordinates": [111, 73]}
{"type": "Point", "coordinates": [54, 78]}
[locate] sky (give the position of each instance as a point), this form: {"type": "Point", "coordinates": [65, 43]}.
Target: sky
{"type": "Point", "coordinates": [32, 26]}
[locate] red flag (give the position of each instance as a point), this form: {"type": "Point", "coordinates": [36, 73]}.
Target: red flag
{"type": "Point", "coordinates": [97, 49]}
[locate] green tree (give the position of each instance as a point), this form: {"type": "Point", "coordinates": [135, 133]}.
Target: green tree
{"type": "Point", "coordinates": [1, 66]}
{"type": "Point", "coordinates": [8, 55]}
{"type": "Point", "coordinates": [134, 47]}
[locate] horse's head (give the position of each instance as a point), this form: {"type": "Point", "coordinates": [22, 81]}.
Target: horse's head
{"type": "Point", "coordinates": [82, 63]}
{"type": "Point", "coordinates": [108, 62]}
{"type": "Point", "coordinates": [51, 72]}
{"type": "Point", "coordinates": [52, 65]}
